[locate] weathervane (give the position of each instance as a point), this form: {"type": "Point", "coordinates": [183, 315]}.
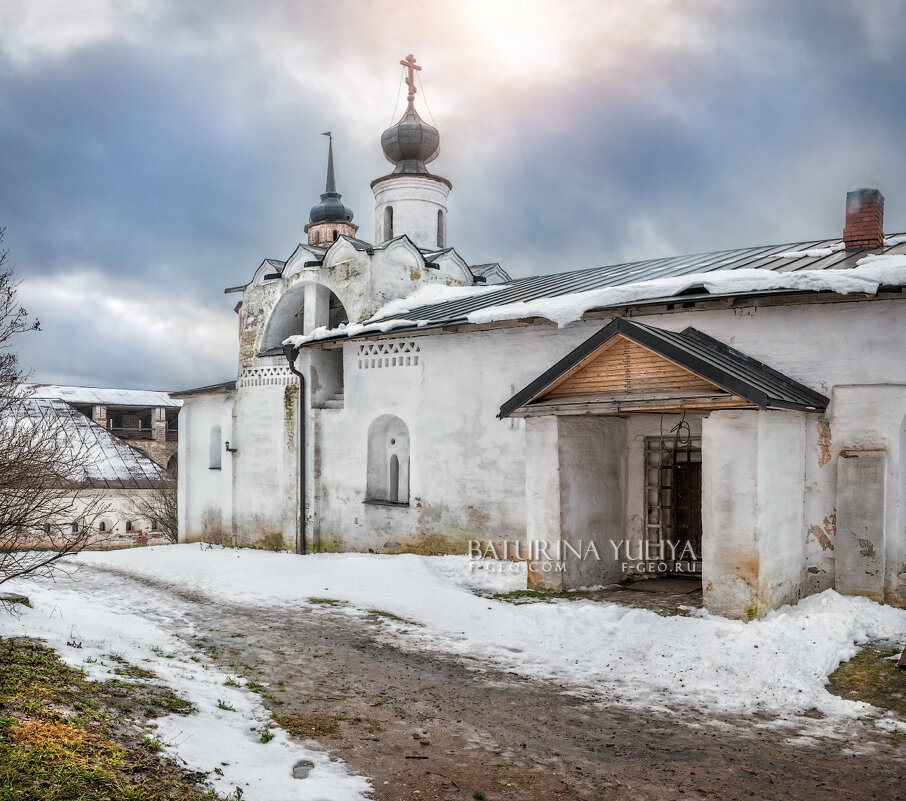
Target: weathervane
{"type": "Point", "coordinates": [409, 63]}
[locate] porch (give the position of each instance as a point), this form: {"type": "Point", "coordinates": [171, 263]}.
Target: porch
{"type": "Point", "coordinates": [654, 453]}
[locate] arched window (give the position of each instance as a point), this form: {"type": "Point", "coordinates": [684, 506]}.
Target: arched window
{"type": "Point", "coordinates": [215, 455]}
{"type": "Point", "coordinates": [441, 229]}
{"type": "Point", "coordinates": [388, 223]}
{"type": "Point", "coordinates": [102, 526]}
{"type": "Point", "coordinates": [336, 234]}
{"type": "Point", "coordinates": [75, 528]}
{"type": "Point", "coordinates": [388, 461]}
{"type": "Point", "coordinates": [128, 525]}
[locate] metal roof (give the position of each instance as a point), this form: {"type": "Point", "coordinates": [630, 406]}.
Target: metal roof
{"type": "Point", "coordinates": [210, 389]}
{"type": "Point", "coordinates": [714, 361]}
{"type": "Point", "coordinates": [826, 254]}
{"type": "Point", "coordinates": [110, 463]}
{"type": "Point", "coordinates": [102, 396]}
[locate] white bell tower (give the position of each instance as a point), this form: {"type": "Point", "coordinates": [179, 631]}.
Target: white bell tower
{"type": "Point", "coordinates": [410, 200]}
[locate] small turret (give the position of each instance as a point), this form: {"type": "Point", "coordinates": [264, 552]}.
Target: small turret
{"type": "Point", "coordinates": [329, 219]}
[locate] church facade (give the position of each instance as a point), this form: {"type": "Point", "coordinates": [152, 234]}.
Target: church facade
{"type": "Point", "coordinates": [739, 416]}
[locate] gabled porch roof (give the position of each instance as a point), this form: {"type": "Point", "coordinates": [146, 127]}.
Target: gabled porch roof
{"type": "Point", "coordinates": [658, 370]}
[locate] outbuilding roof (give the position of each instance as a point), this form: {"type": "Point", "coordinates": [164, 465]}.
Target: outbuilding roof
{"type": "Point", "coordinates": [109, 462]}
{"type": "Point", "coordinates": [103, 396]}
{"type": "Point", "coordinates": [727, 368]}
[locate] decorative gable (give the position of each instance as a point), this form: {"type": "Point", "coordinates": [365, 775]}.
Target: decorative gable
{"type": "Point", "coordinates": [632, 367]}
{"type": "Point", "coordinates": [624, 369]}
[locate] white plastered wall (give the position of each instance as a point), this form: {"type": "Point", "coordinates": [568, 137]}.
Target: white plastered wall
{"type": "Point", "coordinates": [205, 495]}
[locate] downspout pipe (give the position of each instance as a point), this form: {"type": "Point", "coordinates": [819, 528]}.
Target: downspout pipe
{"type": "Point", "coordinates": [291, 352]}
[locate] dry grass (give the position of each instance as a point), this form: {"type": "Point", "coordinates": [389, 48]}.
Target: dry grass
{"type": "Point", "coordinates": [65, 738]}
{"type": "Point", "coordinates": [872, 677]}
{"type": "Point", "coordinates": [311, 724]}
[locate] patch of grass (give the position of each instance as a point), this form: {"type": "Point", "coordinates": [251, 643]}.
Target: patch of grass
{"type": "Point", "coordinates": [266, 736]}
{"type": "Point", "coordinates": [391, 616]}
{"type": "Point", "coordinates": [163, 699]}
{"type": "Point", "coordinates": [134, 672]}
{"type": "Point", "coordinates": [528, 596]}
{"type": "Point", "coordinates": [225, 706]}
{"type": "Point", "coordinates": [872, 677]}
{"type": "Point", "coordinates": [327, 602]}
{"type": "Point", "coordinates": [255, 686]}
{"type": "Point", "coordinates": [64, 738]}
{"type": "Point", "coordinates": [478, 795]}
{"type": "Point", "coordinates": [311, 724]}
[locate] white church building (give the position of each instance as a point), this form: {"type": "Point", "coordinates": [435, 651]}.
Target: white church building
{"type": "Point", "coordinates": [737, 415]}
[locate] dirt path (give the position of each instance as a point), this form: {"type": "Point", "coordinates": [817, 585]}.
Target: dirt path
{"type": "Point", "coordinates": [423, 726]}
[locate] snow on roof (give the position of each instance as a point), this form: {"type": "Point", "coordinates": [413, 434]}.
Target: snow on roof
{"type": "Point", "coordinates": [110, 463]}
{"type": "Point", "coordinates": [390, 312]}
{"type": "Point", "coordinates": [565, 297]}
{"type": "Point", "coordinates": [103, 396]}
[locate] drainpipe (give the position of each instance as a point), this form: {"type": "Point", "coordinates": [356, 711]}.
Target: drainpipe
{"type": "Point", "coordinates": [291, 354]}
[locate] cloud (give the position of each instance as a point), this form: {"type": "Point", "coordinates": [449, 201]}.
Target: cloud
{"type": "Point", "coordinates": [143, 336]}
{"type": "Point", "coordinates": [170, 146]}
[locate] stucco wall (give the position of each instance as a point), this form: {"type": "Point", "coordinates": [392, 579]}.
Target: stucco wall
{"type": "Point", "coordinates": [205, 495]}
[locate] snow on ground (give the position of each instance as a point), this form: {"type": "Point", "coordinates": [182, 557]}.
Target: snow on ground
{"type": "Point", "coordinates": [214, 736]}
{"type": "Point", "coordinates": [778, 665]}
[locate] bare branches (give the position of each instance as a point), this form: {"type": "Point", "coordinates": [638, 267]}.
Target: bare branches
{"type": "Point", "coordinates": [48, 506]}
{"type": "Point", "coordinates": [158, 506]}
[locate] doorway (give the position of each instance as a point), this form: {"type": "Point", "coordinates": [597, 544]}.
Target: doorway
{"type": "Point", "coordinates": [673, 497]}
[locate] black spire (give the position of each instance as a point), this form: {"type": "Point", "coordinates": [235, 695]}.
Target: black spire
{"type": "Point", "coordinates": [331, 208]}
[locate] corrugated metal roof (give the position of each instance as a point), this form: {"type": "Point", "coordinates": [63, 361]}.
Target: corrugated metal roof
{"type": "Point", "coordinates": [720, 364]}
{"type": "Point", "coordinates": [102, 396]}
{"type": "Point", "coordinates": [557, 284]}
{"type": "Point", "coordinates": [210, 389]}
{"type": "Point", "coordinates": [110, 462]}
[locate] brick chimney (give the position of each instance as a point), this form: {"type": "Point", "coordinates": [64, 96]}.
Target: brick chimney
{"type": "Point", "coordinates": [864, 219]}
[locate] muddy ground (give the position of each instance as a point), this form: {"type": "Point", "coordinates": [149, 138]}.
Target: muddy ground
{"type": "Point", "coordinates": [425, 726]}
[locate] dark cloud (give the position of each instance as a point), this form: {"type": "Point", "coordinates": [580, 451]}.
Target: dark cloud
{"type": "Point", "coordinates": [162, 155]}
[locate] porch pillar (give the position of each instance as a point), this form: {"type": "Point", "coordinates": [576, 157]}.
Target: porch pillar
{"type": "Point", "coordinates": [575, 499]}
{"type": "Point", "coordinates": [753, 489]}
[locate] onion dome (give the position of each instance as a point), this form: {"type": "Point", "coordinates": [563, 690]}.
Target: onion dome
{"type": "Point", "coordinates": [411, 143]}
{"type": "Point", "coordinates": [331, 208]}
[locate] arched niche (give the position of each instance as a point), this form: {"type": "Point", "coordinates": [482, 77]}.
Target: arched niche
{"type": "Point", "coordinates": [388, 461]}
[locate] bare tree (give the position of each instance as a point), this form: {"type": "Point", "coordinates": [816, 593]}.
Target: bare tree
{"type": "Point", "coordinates": [158, 505]}
{"type": "Point", "coordinates": [48, 504]}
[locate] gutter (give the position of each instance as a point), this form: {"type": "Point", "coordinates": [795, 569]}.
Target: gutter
{"type": "Point", "coordinates": [292, 354]}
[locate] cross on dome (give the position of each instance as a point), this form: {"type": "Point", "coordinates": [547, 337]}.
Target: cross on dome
{"type": "Point", "coordinates": [411, 68]}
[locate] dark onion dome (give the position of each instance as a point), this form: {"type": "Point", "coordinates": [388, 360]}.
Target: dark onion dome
{"type": "Point", "coordinates": [411, 143]}
{"type": "Point", "coordinates": [331, 208]}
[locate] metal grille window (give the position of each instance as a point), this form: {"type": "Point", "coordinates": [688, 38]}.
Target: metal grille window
{"type": "Point", "coordinates": [661, 457]}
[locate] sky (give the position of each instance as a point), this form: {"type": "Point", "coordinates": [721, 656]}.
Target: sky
{"type": "Point", "coordinates": [153, 152]}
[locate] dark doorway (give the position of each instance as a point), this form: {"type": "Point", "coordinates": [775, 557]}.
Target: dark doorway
{"type": "Point", "coordinates": [687, 509]}
{"type": "Point", "coordinates": [673, 495]}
